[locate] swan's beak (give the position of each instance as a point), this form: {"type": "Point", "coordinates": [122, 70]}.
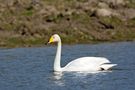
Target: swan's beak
{"type": "Point", "coordinates": [51, 40]}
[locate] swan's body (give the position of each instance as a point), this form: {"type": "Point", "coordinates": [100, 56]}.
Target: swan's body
{"type": "Point", "coordinates": [80, 64]}
{"type": "Point", "coordinates": [88, 64]}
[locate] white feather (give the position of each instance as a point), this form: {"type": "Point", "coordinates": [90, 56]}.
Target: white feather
{"type": "Point", "coordinates": [86, 64]}
{"type": "Point", "coordinates": [80, 64]}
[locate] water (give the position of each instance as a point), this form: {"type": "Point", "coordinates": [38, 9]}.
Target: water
{"type": "Point", "coordinates": [31, 68]}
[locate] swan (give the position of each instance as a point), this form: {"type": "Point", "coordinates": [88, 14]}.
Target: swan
{"type": "Point", "coordinates": [80, 64]}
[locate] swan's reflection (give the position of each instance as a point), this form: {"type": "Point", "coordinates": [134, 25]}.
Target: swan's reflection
{"type": "Point", "coordinates": [57, 76]}
{"type": "Point", "coordinates": [60, 78]}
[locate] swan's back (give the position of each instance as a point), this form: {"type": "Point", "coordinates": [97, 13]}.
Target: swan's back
{"type": "Point", "coordinates": [86, 64]}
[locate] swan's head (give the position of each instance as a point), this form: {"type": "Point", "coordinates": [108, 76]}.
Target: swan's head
{"type": "Point", "coordinates": [54, 38]}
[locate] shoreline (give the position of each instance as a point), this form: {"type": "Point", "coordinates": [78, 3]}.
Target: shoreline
{"type": "Point", "coordinates": [63, 44]}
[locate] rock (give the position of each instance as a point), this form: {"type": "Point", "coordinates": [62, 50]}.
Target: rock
{"type": "Point", "coordinates": [119, 2]}
{"type": "Point", "coordinates": [48, 10]}
{"type": "Point", "coordinates": [103, 12]}
{"type": "Point", "coordinates": [115, 2]}
{"type": "Point", "coordinates": [102, 5]}
{"type": "Point", "coordinates": [127, 14]}
{"type": "Point", "coordinates": [37, 35]}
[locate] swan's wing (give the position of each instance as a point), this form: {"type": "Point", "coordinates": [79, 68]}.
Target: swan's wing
{"type": "Point", "coordinates": [85, 64]}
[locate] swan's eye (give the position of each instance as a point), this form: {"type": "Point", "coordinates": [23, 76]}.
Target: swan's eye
{"type": "Point", "coordinates": [53, 37]}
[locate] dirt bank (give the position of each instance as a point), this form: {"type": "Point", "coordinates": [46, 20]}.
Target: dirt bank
{"type": "Point", "coordinates": [32, 22]}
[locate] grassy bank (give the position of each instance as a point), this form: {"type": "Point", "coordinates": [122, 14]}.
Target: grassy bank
{"type": "Point", "coordinates": [30, 22]}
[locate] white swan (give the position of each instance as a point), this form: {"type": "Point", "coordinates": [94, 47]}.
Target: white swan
{"type": "Point", "coordinates": [80, 64]}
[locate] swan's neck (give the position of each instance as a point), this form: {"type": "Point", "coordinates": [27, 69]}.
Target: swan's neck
{"type": "Point", "coordinates": [57, 66]}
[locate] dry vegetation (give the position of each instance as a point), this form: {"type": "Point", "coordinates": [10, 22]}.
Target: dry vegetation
{"type": "Point", "coordinates": [32, 22]}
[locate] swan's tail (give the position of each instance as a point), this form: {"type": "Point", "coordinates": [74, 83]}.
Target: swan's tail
{"type": "Point", "coordinates": [107, 66]}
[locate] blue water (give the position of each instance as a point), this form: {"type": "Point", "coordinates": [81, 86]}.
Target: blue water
{"type": "Point", "coordinates": [32, 68]}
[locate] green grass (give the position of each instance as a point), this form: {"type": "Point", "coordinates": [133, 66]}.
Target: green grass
{"type": "Point", "coordinates": [17, 42]}
{"type": "Point", "coordinates": [111, 20]}
{"type": "Point", "coordinates": [28, 13]}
